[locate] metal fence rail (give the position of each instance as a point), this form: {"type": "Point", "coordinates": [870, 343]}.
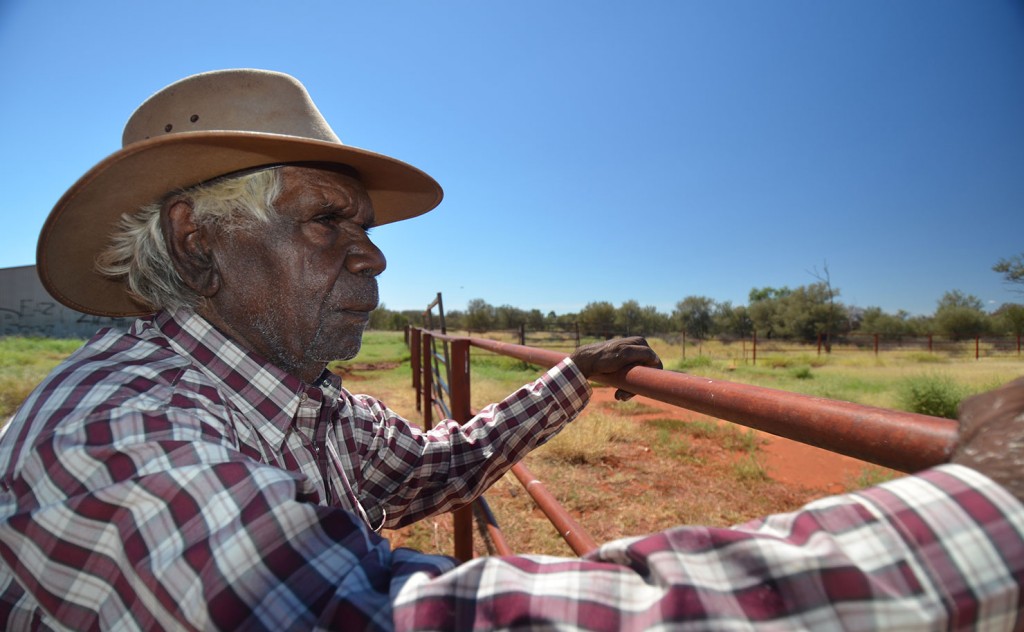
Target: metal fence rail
{"type": "Point", "coordinates": [902, 441]}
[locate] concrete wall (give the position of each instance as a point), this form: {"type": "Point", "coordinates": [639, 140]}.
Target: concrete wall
{"type": "Point", "coordinates": [27, 310]}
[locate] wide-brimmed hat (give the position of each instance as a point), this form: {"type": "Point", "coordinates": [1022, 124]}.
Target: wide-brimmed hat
{"type": "Point", "coordinates": [194, 130]}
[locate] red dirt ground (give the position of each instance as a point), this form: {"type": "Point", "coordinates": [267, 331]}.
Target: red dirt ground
{"type": "Point", "coordinates": [789, 462]}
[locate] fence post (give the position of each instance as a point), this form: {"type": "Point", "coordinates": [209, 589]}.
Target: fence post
{"type": "Point", "coordinates": [755, 348]}
{"type": "Point", "coordinates": [684, 344]}
{"type": "Point", "coordinates": [819, 344]}
{"type": "Point", "coordinates": [461, 412]}
{"type": "Point", "coordinates": [876, 345]}
{"type": "Point", "coordinates": [929, 343]}
{"type": "Point", "coordinates": [428, 382]}
{"type": "Point", "coordinates": [977, 347]}
{"type": "Point", "coordinates": [1018, 344]}
{"type": "Point", "coordinates": [414, 363]}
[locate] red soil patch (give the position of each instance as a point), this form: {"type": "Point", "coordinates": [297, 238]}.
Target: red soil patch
{"type": "Point", "coordinates": [789, 462]}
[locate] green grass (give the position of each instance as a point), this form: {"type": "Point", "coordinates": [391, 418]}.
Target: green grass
{"type": "Point", "coordinates": [847, 374]}
{"type": "Point", "coordinates": [729, 436]}
{"type": "Point", "coordinates": [933, 394]}
{"type": "Point", "coordinates": [24, 362]}
{"type": "Point", "coordinates": [379, 347]}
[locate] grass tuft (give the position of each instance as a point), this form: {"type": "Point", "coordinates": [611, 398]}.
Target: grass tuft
{"type": "Point", "coordinates": [936, 395]}
{"type": "Point", "coordinates": [589, 440]}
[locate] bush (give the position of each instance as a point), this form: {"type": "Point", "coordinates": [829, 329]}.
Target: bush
{"type": "Point", "coordinates": [802, 373]}
{"type": "Point", "coordinates": [935, 395]}
{"type": "Point", "coordinates": [700, 362]}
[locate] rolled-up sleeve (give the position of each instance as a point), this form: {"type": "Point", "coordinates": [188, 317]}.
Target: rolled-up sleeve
{"type": "Point", "coordinates": [941, 550]}
{"type": "Point", "coordinates": [414, 474]}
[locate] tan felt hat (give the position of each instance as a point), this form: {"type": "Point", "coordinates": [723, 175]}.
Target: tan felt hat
{"type": "Point", "coordinates": [194, 130]}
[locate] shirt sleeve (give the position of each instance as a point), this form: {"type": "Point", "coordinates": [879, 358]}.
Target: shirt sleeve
{"type": "Point", "coordinates": [941, 550]}
{"type": "Point", "coordinates": [154, 520]}
{"type": "Point", "coordinates": [413, 474]}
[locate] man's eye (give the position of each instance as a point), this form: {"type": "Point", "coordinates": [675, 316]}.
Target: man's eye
{"type": "Point", "coordinates": [328, 218]}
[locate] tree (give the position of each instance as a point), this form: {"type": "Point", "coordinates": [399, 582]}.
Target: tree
{"type": "Point", "coordinates": [732, 321]}
{"type": "Point", "coordinates": [509, 317]}
{"type": "Point", "coordinates": [380, 318]}
{"type": "Point", "coordinates": [598, 319]}
{"type": "Point", "coordinates": [654, 322]}
{"type": "Point", "coordinates": [627, 317]}
{"type": "Point", "coordinates": [693, 316]}
{"type": "Point", "coordinates": [535, 320]}
{"type": "Point", "coordinates": [765, 309]}
{"type": "Point", "coordinates": [479, 315]}
{"type": "Point", "coordinates": [887, 326]}
{"type": "Point", "coordinates": [960, 316]}
{"type": "Point", "coordinates": [807, 312]}
{"type": "Point", "coordinates": [1012, 269]}
{"type": "Point", "coordinates": [825, 280]}
{"type": "Point", "coordinates": [1010, 318]}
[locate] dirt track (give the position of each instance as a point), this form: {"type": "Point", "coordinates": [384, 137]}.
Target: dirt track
{"type": "Point", "coordinates": [789, 462]}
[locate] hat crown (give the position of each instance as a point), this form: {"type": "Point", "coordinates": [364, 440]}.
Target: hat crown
{"type": "Point", "coordinates": [238, 100]}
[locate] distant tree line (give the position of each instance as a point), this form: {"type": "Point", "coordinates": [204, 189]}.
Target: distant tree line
{"type": "Point", "coordinates": [806, 313]}
{"type": "Point", "coordinates": [803, 313]}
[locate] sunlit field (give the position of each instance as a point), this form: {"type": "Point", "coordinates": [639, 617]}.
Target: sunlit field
{"type": "Point", "coordinates": [621, 457]}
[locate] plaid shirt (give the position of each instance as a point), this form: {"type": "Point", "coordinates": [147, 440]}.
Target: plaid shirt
{"type": "Point", "coordinates": [165, 478]}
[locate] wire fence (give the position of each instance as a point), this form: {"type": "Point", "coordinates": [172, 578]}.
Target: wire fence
{"type": "Point", "coordinates": [751, 349]}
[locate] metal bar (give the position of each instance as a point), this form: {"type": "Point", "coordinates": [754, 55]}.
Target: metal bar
{"type": "Point", "coordinates": [428, 384]}
{"type": "Point", "coordinates": [461, 412]}
{"type": "Point", "coordinates": [497, 538]}
{"type": "Point", "coordinates": [570, 530]}
{"type": "Point", "coordinates": [903, 441]}
{"type": "Point", "coordinates": [442, 410]}
{"type": "Point", "coordinates": [415, 364]}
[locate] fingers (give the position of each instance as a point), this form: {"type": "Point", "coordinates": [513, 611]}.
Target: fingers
{"type": "Point", "coordinates": [638, 352]}
{"type": "Point", "coordinates": [614, 355]}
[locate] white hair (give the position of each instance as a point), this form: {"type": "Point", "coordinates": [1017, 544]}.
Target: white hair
{"type": "Point", "coordinates": [138, 255]}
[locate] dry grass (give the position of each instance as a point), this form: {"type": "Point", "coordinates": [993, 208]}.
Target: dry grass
{"type": "Point", "coordinates": [626, 468]}
{"type": "Point", "coordinates": [621, 474]}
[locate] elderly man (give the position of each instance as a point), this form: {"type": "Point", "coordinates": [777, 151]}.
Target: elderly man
{"type": "Point", "coordinates": [203, 471]}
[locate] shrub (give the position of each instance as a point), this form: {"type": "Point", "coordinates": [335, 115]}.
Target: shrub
{"type": "Point", "coordinates": [936, 395]}
{"type": "Point", "coordinates": [749, 469]}
{"type": "Point", "coordinates": [802, 373]}
{"type": "Point", "coordinates": [699, 362]}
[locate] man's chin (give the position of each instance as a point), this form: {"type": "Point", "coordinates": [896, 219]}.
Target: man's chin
{"type": "Point", "coordinates": [341, 349]}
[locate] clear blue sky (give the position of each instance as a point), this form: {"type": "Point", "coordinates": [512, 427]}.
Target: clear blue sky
{"type": "Point", "coordinates": [592, 150]}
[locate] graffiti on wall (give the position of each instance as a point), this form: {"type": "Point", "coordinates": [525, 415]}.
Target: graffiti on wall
{"type": "Point", "coordinates": [29, 317]}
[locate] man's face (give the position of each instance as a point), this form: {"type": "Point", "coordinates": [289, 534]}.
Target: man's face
{"type": "Point", "coordinates": [299, 290]}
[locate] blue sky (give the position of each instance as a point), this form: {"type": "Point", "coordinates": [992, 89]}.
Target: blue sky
{"type": "Point", "coordinates": [593, 150]}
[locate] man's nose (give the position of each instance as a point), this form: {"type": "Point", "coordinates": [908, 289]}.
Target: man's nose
{"type": "Point", "coordinates": [365, 258]}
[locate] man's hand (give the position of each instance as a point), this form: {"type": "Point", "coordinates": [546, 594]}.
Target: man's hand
{"type": "Point", "coordinates": [614, 355]}
{"type": "Point", "coordinates": [992, 436]}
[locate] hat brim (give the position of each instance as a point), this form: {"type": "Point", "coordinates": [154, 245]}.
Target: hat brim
{"type": "Point", "coordinates": [81, 224]}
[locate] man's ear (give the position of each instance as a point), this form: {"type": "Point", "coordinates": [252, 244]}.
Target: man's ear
{"type": "Point", "coordinates": [188, 245]}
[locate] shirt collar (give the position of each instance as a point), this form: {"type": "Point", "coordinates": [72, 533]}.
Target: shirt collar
{"type": "Point", "coordinates": [254, 385]}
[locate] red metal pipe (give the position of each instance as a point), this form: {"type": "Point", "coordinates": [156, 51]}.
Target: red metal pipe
{"type": "Point", "coordinates": [570, 530]}
{"type": "Point", "coordinates": [903, 441]}
{"type": "Point", "coordinates": [427, 382]}
{"type": "Point", "coordinates": [461, 410]}
{"type": "Point", "coordinates": [415, 364]}
{"type": "Point", "coordinates": [501, 546]}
